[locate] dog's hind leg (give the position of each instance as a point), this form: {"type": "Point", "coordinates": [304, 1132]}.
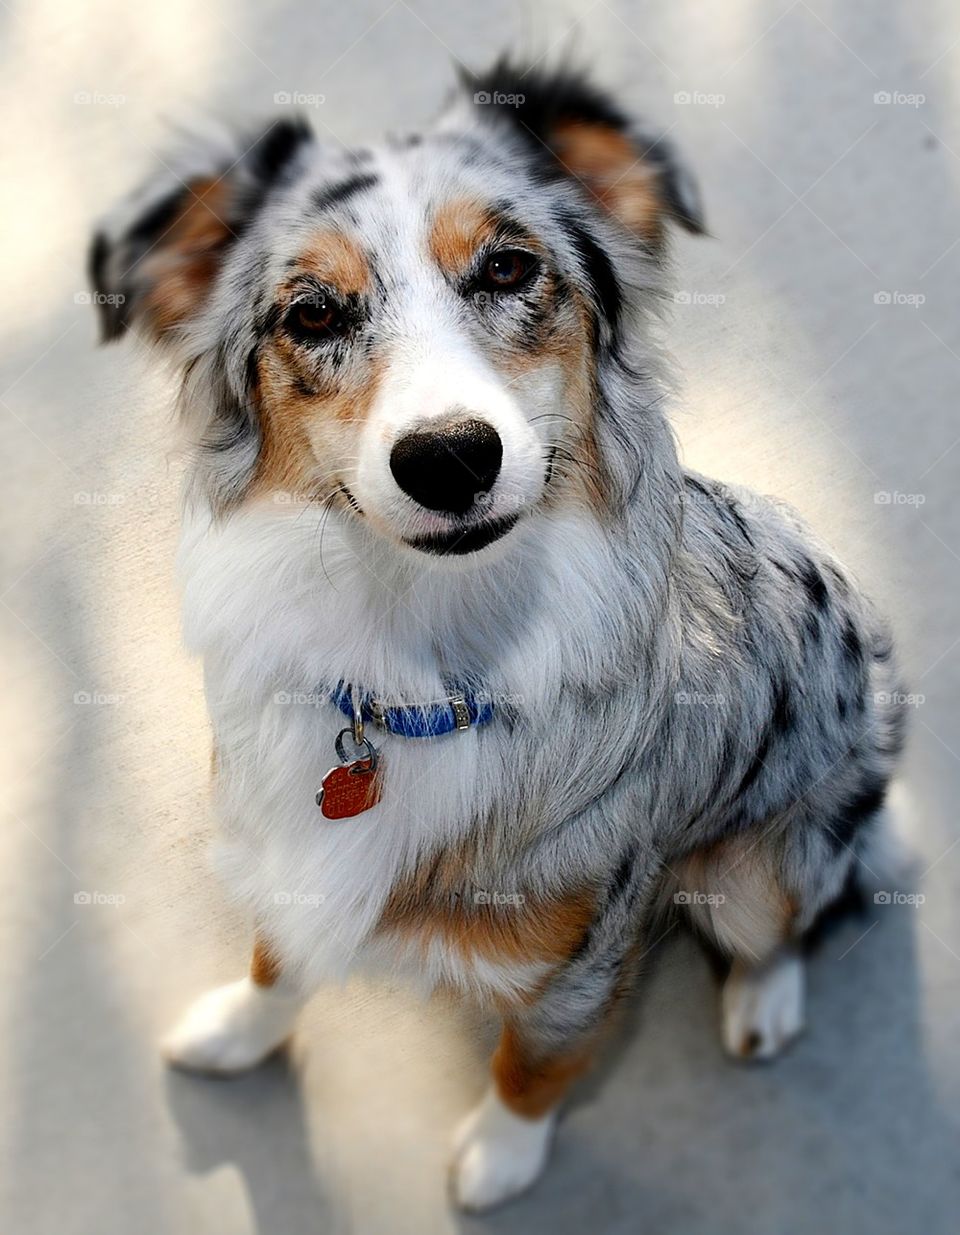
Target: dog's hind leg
{"type": "Point", "coordinates": [762, 1000]}
{"type": "Point", "coordinates": [734, 894]}
{"type": "Point", "coordinates": [232, 1028]}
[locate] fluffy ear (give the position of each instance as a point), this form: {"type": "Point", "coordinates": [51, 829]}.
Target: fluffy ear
{"type": "Point", "coordinates": [153, 263]}
{"type": "Point", "coordinates": [575, 130]}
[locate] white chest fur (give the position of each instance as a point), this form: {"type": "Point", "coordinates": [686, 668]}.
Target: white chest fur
{"type": "Point", "coordinates": [279, 623]}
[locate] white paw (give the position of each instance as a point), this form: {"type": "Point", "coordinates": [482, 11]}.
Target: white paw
{"type": "Point", "coordinates": [497, 1154]}
{"type": "Point", "coordinates": [231, 1028]}
{"type": "Point", "coordinates": [762, 1009]}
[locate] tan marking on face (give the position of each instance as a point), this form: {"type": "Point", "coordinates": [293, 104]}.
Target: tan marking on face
{"type": "Point", "coordinates": [530, 1086]}
{"type": "Point", "coordinates": [303, 432]}
{"type": "Point", "coordinates": [337, 260]}
{"type": "Point", "coordinates": [613, 170]}
{"type": "Point", "coordinates": [286, 460]}
{"type": "Point", "coordinates": [264, 964]}
{"type": "Point", "coordinates": [307, 417]}
{"type": "Point", "coordinates": [459, 228]}
{"type": "Point", "coordinates": [181, 267]}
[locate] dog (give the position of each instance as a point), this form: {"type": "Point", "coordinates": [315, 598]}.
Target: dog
{"type": "Point", "coordinates": [494, 681]}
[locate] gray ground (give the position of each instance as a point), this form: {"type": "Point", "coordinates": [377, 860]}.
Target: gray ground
{"type": "Point", "coordinates": [797, 382]}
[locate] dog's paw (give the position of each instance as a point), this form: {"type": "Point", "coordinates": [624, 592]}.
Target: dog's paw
{"type": "Point", "coordinates": [230, 1029]}
{"type": "Point", "coordinates": [497, 1154]}
{"type": "Point", "coordinates": [762, 1009]}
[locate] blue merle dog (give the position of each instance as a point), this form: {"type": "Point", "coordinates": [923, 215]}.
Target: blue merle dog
{"type": "Point", "coordinates": [493, 679]}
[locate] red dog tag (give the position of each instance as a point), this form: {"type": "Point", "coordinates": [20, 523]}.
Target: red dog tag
{"type": "Point", "coordinates": [349, 789]}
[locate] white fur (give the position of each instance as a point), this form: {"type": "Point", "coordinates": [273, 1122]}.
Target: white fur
{"type": "Point", "coordinates": [232, 1028]}
{"type": "Point", "coordinates": [497, 1154]}
{"type": "Point", "coordinates": [273, 618]}
{"type": "Point", "coordinates": [762, 1008]}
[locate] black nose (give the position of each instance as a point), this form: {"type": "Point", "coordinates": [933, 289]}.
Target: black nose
{"type": "Point", "coordinates": [444, 469]}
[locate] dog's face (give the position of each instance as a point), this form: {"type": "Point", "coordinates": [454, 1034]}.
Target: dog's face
{"type": "Point", "coordinates": [421, 331]}
{"type": "Point", "coordinates": [412, 333]}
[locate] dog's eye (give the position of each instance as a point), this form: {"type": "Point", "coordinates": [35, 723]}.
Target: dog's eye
{"type": "Point", "coordinates": [316, 316]}
{"type": "Point", "coordinates": [508, 270]}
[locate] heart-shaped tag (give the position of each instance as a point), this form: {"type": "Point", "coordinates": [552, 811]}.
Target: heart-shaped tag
{"type": "Point", "coordinates": [349, 789]}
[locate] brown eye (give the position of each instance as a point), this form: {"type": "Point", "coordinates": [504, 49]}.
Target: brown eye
{"type": "Point", "coordinates": [508, 270]}
{"type": "Point", "coordinates": [316, 317]}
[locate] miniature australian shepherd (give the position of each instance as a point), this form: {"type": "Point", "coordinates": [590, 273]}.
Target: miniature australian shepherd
{"type": "Point", "coordinates": [494, 681]}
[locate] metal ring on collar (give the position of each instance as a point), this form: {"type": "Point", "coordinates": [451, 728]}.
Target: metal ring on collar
{"type": "Point", "coordinates": [365, 745]}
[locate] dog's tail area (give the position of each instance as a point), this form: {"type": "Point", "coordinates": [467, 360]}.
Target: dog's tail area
{"type": "Point", "coordinates": [736, 906]}
{"type": "Point", "coordinates": [887, 863]}
{"type": "Point", "coordinates": [889, 859]}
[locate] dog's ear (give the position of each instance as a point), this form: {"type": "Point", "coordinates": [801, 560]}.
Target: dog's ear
{"type": "Point", "coordinates": [575, 130]}
{"type": "Point", "coordinates": [153, 263]}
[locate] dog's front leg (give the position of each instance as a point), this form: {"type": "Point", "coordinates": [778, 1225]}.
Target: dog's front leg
{"type": "Point", "coordinates": [546, 1044]}
{"type": "Point", "coordinates": [234, 1027]}
{"type": "Point", "coordinates": [503, 1144]}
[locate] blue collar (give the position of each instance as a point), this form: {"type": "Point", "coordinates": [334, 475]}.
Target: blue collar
{"type": "Point", "coordinates": [458, 711]}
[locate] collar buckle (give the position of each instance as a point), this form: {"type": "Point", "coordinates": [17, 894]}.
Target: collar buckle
{"type": "Point", "coordinates": [461, 713]}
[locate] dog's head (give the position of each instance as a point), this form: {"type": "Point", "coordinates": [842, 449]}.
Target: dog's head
{"type": "Point", "coordinates": [415, 333]}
